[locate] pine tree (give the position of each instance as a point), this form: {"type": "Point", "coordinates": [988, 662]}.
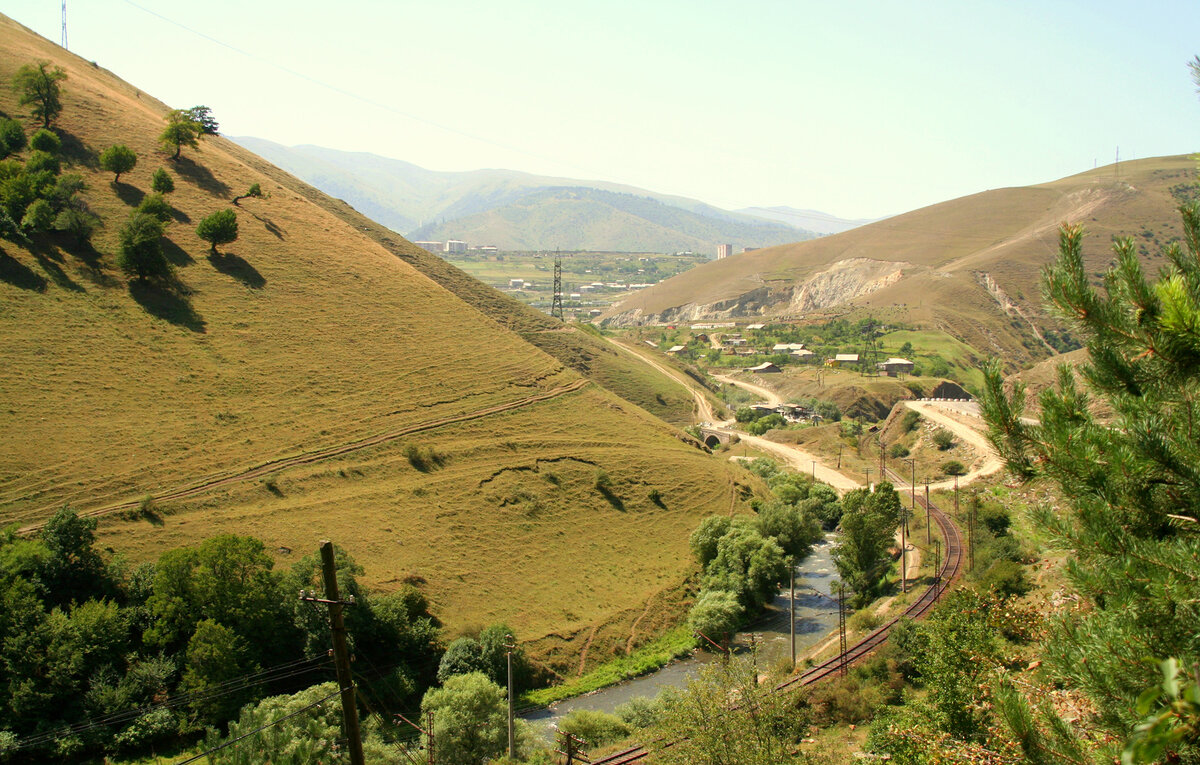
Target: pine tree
{"type": "Point", "coordinates": [1132, 481]}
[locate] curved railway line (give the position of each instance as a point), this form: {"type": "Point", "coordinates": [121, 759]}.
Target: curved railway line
{"type": "Point", "coordinates": [949, 571]}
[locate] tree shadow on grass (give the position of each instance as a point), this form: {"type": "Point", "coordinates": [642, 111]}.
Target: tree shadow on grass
{"type": "Point", "coordinates": [89, 256]}
{"type": "Point", "coordinates": [269, 225]}
{"type": "Point", "coordinates": [239, 268]}
{"type": "Point", "coordinates": [612, 498]}
{"type": "Point", "coordinates": [180, 216]}
{"type": "Point", "coordinates": [20, 275]}
{"type": "Point", "coordinates": [76, 151]}
{"type": "Point", "coordinates": [176, 255]}
{"type": "Point", "coordinates": [50, 259]}
{"type": "Point", "coordinates": [130, 195]}
{"type": "Point", "coordinates": [166, 302]}
{"type": "Point", "coordinates": [201, 176]}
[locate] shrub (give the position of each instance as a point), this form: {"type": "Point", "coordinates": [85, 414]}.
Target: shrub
{"type": "Point", "coordinates": [157, 206]}
{"type": "Point", "coordinates": [865, 620]}
{"type": "Point", "coordinates": [943, 439]}
{"type": "Point", "coordinates": [44, 140]}
{"type": "Point", "coordinates": [40, 161]}
{"type": "Point", "coordinates": [910, 420]}
{"type": "Point", "coordinates": [161, 182]}
{"type": "Point", "coordinates": [12, 137]}
{"type": "Point", "coordinates": [39, 217]}
{"type": "Point", "coordinates": [1005, 578]}
{"type": "Point", "coordinates": [953, 467]}
{"type": "Point", "coordinates": [78, 221]}
{"type": "Point", "coordinates": [596, 728]}
{"type": "Point", "coordinates": [639, 712]}
{"type": "Point", "coordinates": [898, 451]}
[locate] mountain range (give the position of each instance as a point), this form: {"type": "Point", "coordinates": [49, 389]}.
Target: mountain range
{"type": "Point", "coordinates": [513, 210]}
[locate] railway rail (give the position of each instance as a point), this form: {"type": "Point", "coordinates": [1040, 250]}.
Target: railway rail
{"type": "Point", "coordinates": [950, 568]}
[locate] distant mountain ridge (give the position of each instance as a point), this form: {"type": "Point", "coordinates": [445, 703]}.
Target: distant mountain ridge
{"type": "Point", "coordinates": [518, 208]}
{"type": "Point", "coordinates": [810, 220]}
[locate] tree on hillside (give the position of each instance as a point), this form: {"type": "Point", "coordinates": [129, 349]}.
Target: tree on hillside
{"type": "Point", "coordinates": [118, 159]}
{"type": "Point", "coordinates": [161, 182]}
{"type": "Point", "coordinates": [141, 252]}
{"type": "Point", "coordinates": [12, 137]}
{"type": "Point", "coordinates": [45, 140]}
{"type": "Point", "coordinates": [181, 130]}
{"type": "Point", "coordinates": [255, 191]}
{"type": "Point", "coordinates": [868, 525]}
{"type": "Point", "coordinates": [219, 228]}
{"type": "Point", "coordinates": [202, 116]}
{"type": "Point", "coordinates": [37, 86]}
{"type": "Point", "coordinates": [1130, 483]}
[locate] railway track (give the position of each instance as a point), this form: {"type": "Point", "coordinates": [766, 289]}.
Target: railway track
{"type": "Point", "coordinates": [950, 568]}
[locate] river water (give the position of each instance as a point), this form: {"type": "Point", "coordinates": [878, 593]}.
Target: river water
{"type": "Point", "coordinates": [816, 617]}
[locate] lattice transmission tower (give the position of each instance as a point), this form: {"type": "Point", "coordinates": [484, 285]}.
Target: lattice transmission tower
{"type": "Point", "coordinates": [556, 308]}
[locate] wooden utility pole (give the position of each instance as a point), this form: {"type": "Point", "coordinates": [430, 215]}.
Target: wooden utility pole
{"type": "Point", "coordinates": [903, 550]}
{"type": "Point", "coordinates": [937, 566]}
{"type": "Point", "coordinates": [341, 654]}
{"type": "Point", "coordinates": [429, 735]}
{"type": "Point", "coordinates": [927, 531]}
{"type": "Point", "coordinates": [510, 644]}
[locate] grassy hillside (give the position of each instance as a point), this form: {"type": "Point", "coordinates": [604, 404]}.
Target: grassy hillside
{"type": "Point", "coordinates": [307, 383]}
{"type": "Point", "coordinates": [969, 266]}
{"type": "Point", "coordinates": [578, 218]}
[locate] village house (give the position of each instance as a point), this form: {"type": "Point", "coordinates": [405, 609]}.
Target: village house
{"type": "Point", "coordinates": [894, 367]}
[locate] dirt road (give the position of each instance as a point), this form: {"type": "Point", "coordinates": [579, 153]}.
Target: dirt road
{"type": "Point", "coordinates": [991, 462]}
{"type": "Point", "coordinates": [704, 410]}
{"type": "Point", "coordinates": [770, 396]}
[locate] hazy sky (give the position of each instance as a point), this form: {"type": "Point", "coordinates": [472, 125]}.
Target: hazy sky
{"type": "Point", "coordinates": [859, 109]}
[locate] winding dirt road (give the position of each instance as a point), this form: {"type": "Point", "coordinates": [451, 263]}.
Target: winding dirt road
{"type": "Point", "coordinates": [338, 450]}
{"type": "Point", "coordinates": [704, 410]}
{"type": "Point", "coordinates": [991, 461]}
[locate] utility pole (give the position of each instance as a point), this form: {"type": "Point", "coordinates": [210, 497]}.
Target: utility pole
{"type": "Point", "coordinates": [754, 638]}
{"type": "Point", "coordinates": [341, 654]}
{"type": "Point", "coordinates": [570, 748]}
{"type": "Point", "coordinates": [64, 25]}
{"type": "Point", "coordinates": [971, 514]}
{"type": "Point", "coordinates": [510, 644]}
{"type": "Point", "coordinates": [792, 608]}
{"type": "Point", "coordinates": [903, 549]}
{"type": "Point", "coordinates": [956, 497]}
{"type": "Point", "coordinates": [814, 469]}
{"type": "Point", "coordinates": [927, 530]}
{"type": "Point", "coordinates": [880, 442]}
{"type": "Point", "coordinates": [429, 725]}
{"type": "Point", "coordinates": [868, 471]}
{"type": "Point", "coordinates": [839, 467]}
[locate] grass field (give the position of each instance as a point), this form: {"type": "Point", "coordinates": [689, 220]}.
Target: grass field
{"type": "Point", "coordinates": [321, 378]}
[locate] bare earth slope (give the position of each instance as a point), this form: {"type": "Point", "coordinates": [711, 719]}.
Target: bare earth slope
{"type": "Point", "coordinates": [307, 383]}
{"type": "Point", "coordinates": [969, 266]}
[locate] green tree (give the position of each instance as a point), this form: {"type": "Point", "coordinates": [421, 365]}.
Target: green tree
{"type": "Point", "coordinates": [747, 564]}
{"type": "Point", "coordinates": [1129, 482]}
{"type": "Point", "coordinates": [141, 252]}
{"type": "Point", "coordinates": [161, 182]}
{"type": "Point", "coordinates": [78, 221]}
{"type": "Point", "coordinates": [157, 206]}
{"type": "Point", "coordinates": [254, 192]}
{"type": "Point", "coordinates": [74, 567]}
{"type": "Point", "coordinates": [202, 116]}
{"type": "Point", "coordinates": [598, 729]}
{"type": "Point", "coordinates": [118, 159]}
{"type": "Point", "coordinates": [310, 736]}
{"type": "Point", "coordinates": [869, 521]}
{"type": "Point", "coordinates": [700, 725]}
{"type": "Point", "coordinates": [217, 657]}
{"type": "Point", "coordinates": [38, 86]}
{"type": "Point", "coordinates": [181, 130]}
{"type": "Point", "coordinates": [12, 137]}
{"type": "Point", "coordinates": [716, 614]}
{"type": "Point", "coordinates": [703, 540]}
{"type": "Point", "coordinates": [47, 141]}
{"type": "Point", "coordinates": [791, 526]}
{"type": "Point", "coordinates": [470, 719]}
{"type": "Point", "coordinates": [219, 228]}
{"type": "Point", "coordinates": [39, 217]}
{"type": "Point", "coordinates": [42, 161]}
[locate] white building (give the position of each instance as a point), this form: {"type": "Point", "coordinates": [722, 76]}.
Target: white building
{"type": "Point", "coordinates": [455, 245]}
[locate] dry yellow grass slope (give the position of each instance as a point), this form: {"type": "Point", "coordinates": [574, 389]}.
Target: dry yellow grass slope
{"type": "Point", "coordinates": [968, 266]}
{"type": "Point", "coordinates": [309, 383]}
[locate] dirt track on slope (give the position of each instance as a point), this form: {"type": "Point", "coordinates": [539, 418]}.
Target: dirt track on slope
{"type": "Point", "coordinates": [327, 453]}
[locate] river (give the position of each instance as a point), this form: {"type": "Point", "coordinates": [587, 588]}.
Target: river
{"type": "Point", "coordinates": [816, 616]}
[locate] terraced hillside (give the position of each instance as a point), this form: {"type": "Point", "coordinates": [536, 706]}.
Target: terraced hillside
{"type": "Point", "coordinates": [969, 267]}
{"type": "Point", "coordinates": [307, 383]}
